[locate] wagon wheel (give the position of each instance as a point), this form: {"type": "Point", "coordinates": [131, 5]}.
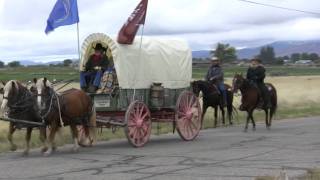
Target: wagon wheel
{"type": "Point", "coordinates": [138, 128]}
{"type": "Point", "coordinates": [188, 116]}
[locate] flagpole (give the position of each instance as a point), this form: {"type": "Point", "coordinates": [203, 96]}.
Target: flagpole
{"type": "Point", "coordinates": [141, 38]}
{"type": "Point", "coordinates": [78, 37]}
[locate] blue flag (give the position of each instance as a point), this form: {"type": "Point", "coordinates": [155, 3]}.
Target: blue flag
{"type": "Point", "coordinates": [64, 12]}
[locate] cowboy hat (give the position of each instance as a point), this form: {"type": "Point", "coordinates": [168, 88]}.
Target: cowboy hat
{"type": "Point", "coordinates": [99, 47]}
{"type": "Point", "coordinates": [214, 58]}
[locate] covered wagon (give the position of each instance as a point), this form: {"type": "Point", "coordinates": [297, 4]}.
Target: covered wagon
{"type": "Point", "coordinates": [150, 82]}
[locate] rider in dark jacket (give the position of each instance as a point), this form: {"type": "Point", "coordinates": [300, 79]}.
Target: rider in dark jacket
{"type": "Point", "coordinates": [256, 75]}
{"type": "Point", "coordinates": [215, 75]}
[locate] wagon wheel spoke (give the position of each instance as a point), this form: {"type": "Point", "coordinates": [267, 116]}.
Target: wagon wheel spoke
{"type": "Point", "coordinates": [194, 125]}
{"type": "Point", "coordinates": [180, 113]}
{"type": "Point", "coordinates": [141, 111]}
{"type": "Point", "coordinates": [144, 116]}
{"type": "Point", "coordinates": [132, 132]}
{"type": "Point", "coordinates": [188, 129]}
{"type": "Point", "coordinates": [137, 136]}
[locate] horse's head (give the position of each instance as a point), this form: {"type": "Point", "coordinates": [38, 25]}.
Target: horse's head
{"type": "Point", "coordinates": [10, 93]}
{"type": "Point", "coordinates": [41, 87]}
{"type": "Point", "coordinates": [195, 88]}
{"type": "Point", "coordinates": [237, 82]}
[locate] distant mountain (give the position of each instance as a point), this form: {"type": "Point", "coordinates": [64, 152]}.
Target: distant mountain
{"type": "Point", "coordinates": [201, 54]}
{"type": "Point", "coordinates": [53, 62]}
{"type": "Point", "coordinates": [29, 63]}
{"type": "Point", "coordinates": [34, 63]}
{"type": "Point", "coordinates": [283, 48]}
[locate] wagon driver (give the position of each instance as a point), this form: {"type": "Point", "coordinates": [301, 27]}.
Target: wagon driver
{"type": "Point", "coordinates": [215, 76]}
{"type": "Point", "coordinates": [97, 63]}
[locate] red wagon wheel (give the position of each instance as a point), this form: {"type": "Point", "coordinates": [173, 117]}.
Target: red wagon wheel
{"type": "Point", "coordinates": [188, 116]}
{"type": "Point", "coordinates": [138, 121]}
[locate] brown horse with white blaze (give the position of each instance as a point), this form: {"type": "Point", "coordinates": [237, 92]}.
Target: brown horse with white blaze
{"type": "Point", "coordinates": [251, 98]}
{"type": "Point", "coordinates": [69, 108]}
{"type": "Point", "coordinates": [22, 106]}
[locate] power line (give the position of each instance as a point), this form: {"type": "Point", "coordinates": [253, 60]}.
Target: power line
{"type": "Point", "coordinates": [279, 7]}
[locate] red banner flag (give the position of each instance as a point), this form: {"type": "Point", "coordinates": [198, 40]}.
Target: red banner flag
{"type": "Point", "coordinates": [129, 30]}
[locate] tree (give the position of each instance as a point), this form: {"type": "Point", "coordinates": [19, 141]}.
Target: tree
{"type": "Point", "coordinates": [313, 56]}
{"type": "Point", "coordinates": [224, 52]}
{"type": "Point", "coordinates": [304, 56]}
{"type": "Point", "coordinates": [67, 62]}
{"type": "Point", "coordinates": [14, 64]}
{"type": "Point", "coordinates": [286, 57]}
{"type": "Point", "coordinates": [267, 55]}
{"type": "Point", "coordinates": [295, 57]}
{"type": "Point", "coordinates": [1, 64]}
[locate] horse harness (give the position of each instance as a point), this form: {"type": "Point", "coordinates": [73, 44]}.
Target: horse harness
{"type": "Point", "coordinates": [24, 103]}
{"type": "Point", "coordinates": [57, 103]}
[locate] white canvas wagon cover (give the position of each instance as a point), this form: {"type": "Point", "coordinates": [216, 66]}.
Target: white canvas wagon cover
{"type": "Point", "coordinates": [160, 60]}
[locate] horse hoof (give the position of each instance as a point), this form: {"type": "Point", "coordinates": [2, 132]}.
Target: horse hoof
{"type": "Point", "coordinates": [54, 148]}
{"type": "Point", "coordinates": [75, 149]}
{"type": "Point", "coordinates": [44, 149]}
{"type": "Point", "coordinates": [254, 129]}
{"type": "Point", "coordinates": [47, 153]}
{"type": "Point", "coordinates": [13, 147]}
{"type": "Point", "coordinates": [25, 153]}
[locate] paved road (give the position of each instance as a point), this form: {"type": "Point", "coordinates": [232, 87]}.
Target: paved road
{"type": "Point", "coordinates": [225, 153]}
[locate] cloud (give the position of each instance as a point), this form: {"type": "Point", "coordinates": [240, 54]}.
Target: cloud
{"type": "Point", "coordinates": [203, 23]}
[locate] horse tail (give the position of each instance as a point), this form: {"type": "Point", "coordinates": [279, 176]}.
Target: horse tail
{"type": "Point", "coordinates": [274, 99]}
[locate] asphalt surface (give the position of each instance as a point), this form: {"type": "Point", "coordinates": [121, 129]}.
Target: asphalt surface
{"type": "Point", "coordinates": [224, 153]}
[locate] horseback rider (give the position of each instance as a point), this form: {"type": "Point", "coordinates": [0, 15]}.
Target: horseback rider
{"type": "Point", "coordinates": [255, 75]}
{"type": "Point", "coordinates": [94, 68]}
{"type": "Point", "coordinates": [215, 76]}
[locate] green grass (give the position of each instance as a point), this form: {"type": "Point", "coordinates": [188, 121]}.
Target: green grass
{"type": "Point", "coordinates": [63, 73]}
{"type": "Point", "coordinates": [199, 73]}
{"type": "Point", "coordinates": [28, 73]}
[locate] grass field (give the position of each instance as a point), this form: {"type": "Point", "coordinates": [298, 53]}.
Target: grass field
{"type": "Point", "coordinates": [298, 97]}
{"type": "Point", "coordinates": [26, 74]}
{"type": "Point", "coordinates": [63, 73]}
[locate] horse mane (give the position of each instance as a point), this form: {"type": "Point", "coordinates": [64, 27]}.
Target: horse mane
{"type": "Point", "coordinates": [43, 82]}
{"type": "Point", "coordinates": [246, 84]}
{"type": "Point", "coordinates": [205, 86]}
{"type": "Point", "coordinates": [8, 86]}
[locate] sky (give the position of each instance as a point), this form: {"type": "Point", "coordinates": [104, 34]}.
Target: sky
{"type": "Point", "coordinates": [203, 23]}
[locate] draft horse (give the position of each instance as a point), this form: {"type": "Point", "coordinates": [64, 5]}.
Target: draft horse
{"type": "Point", "coordinates": [71, 108]}
{"type": "Point", "coordinates": [21, 104]}
{"type": "Point", "coordinates": [212, 98]}
{"type": "Point", "coordinates": [251, 99]}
